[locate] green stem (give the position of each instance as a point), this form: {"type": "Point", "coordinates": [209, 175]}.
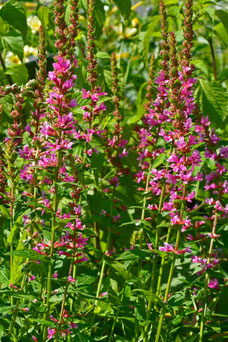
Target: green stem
{"type": "Point", "coordinates": [144, 204]}
{"type": "Point", "coordinates": [103, 262]}
{"type": "Point", "coordinates": [61, 313]}
{"type": "Point", "coordinates": [115, 319]}
{"type": "Point", "coordinates": [213, 58]}
{"type": "Point", "coordinates": [152, 283]}
{"type": "Point", "coordinates": [171, 268]}
{"type": "Point", "coordinates": [168, 287]}
{"type": "Point", "coordinates": [206, 281]}
{"type": "Point", "coordinates": [16, 310]}
{"type": "Point", "coordinates": [11, 222]}
{"type": "Point", "coordinates": [53, 224]}
{"type": "Point", "coordinates": [158, 291]}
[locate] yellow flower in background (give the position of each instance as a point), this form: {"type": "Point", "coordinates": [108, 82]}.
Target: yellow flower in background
{"type": "Point", "coordinates": [34, 23]}
{"type": "Point", "coordinates": [122, 55]}
{"type": "Point", "coordinates": [28, 52]}
{"type": "Point", "coordinates": [12, 59]}
{"type": "Point", "coordinates": [134, 22]}
{"type": "Point", "coordinates": [127, 33]}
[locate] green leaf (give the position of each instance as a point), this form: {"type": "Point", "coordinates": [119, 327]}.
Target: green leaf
{"type": "Point", "coordinates": [177, 299]}
{"type": "Point", "coordinates": [83, 4]}
{"type": "Point", "coordinates": [145, 37]}
{"type": "Point", "coordinates": [19, 73]}
{"type": "Point", "coordinates": [102, 55]}
{"type": "Point", "coordinates": [223, 16]}
{"type": "Point", "coordinates": [121, 270]}
{"type": "Point", "coordinates": [99, 14]}
{"type": "Point", "coordinates": [13, 13]}
{"type": "Point", "coordinates": [3, 27]}
{"type": "Point", "coordinates": [56, 298]}
{"type": "Point", "coordinates": [177, 319]}
{"type": "Point", "coordinates": [13, 42]}
{"type": "Point", "coordinates": [44, 322]}
{"type": "Point", "coordinates": [140, 102]}
{"type": "Point", "coordinates": [43, 14]}
{"type": "Point", "coordinates": [97, 161]}
{"type": "Point", "coordinates": [159, 160]}
{"type": "Point", "coordinates": [4, 276]}
{"type": "Point", "coordinates": [12, 233]}
{"type": "Point", "coordinates": [222, 33]}
{"type": "Point", "coordinates": [6, 309]}
{"type": "Point", "coordinates": [87, 278]}
{"type": "Point", "coordinates": [124, 7]}
{"type": "Point", "coordinates": [201, 65]}
{"type": "Point", "coordinates": [4, 211]}
{"type": "Point", "coordinates": [147, 294]}
{"type": "Point", "coordinates": [18, 295]}
{"type": "Point", "coordinates": [27, 253]}
{"type": "Point", "coordinates": [134, 255]}
{"type": "Point", "coordinates": [18, 261]}
{"type": "Point", "coordinates": [213, 101]}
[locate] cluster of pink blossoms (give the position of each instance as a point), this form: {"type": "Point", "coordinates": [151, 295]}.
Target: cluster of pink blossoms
{"type": "Point", "coordinates": [49, 160]}
{"type": "Point", "coordinates": [171, 140]}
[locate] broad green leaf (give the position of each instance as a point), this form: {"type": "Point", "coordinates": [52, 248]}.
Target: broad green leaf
{"type": "Point", "coordinates": [3, 27]}
{"type": "Point", "coordinates": [222, 33]}
{"type": "Point", "coordinates": [4, 276]}
{"type": "Point", "coordinates": [147, 294]}
{"type": "Point", "coordinates": [140, 102]}
{"type": "Point", "coordinates": [19, 73]}
{"type": "Point", "coordinates": [177, 299]}
{"type": "Point", "coordinates": [159, 160]}
{"type": "Point", "coordinates": [97, 161]}
{"type": "Point", "coordinates": [4, 211]}
{"type": "Point", "coordinates": [124, 7]}
{"type": "Point", "coordinates": [83, 4]}
{"type": "Point", "coordinates": [145, 37]}
{"type": "Point", "coordinates": [13, 13]}
{"type": "Point", "coordinates": [99, 14]}
{"type": "Point", "coordinates": [213, 102]}
{"type": "Point", "coordinates": [177, 319]}
{"type": "Point", "coordinates": [108, 78]}
{"type": "Point", "coordinates": [133, 255]}
{"type": "Point", "coordinates": [171, 2]}
{"type": "Point", "coordinates": [6, 309]}
{"type": "Point", "coordinates": [201, 65]}
{"type": "Point", "coordinates": [43, 14]}
{"type": "Point", "coordinates": [12, 233]}
{"type": "Point", "coordinates": [18, 294]}
{"type": "Point", "coordinates": [13, 42]}
{"type": "Point", "coordinates": [87, 278]}
{"type": "Point", "coordinates": [27, 253]}
{"type": "Point", "coordinates": [44, 322]}
{"type": "Point", "coordinates": [223, 16]}
{"type": "Point", "coordinates": [120, 268]}
{"type": "Point", "coordinates": [102, 55]}
{"type": "Point", "coordinates": [18, 261]}
{"type": "Point", "coordinates": [56, 298]}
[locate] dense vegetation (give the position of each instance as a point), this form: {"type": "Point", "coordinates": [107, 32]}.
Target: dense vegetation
{"type": "Point", "coordinates": [113, 179]}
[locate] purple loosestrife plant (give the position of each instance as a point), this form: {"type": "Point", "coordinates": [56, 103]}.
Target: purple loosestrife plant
{"type": "Point", "coordinates": [79, 183]}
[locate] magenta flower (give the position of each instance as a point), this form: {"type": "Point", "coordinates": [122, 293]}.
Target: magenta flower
{"type": "Point", "coordinates": [213, 284]}
{"type": "Point", "coordinates": [71, 280]}
{"type": "Point", "coordinates": [51, 333]}
{"type": "Point", "coordinates": [169, 248]}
